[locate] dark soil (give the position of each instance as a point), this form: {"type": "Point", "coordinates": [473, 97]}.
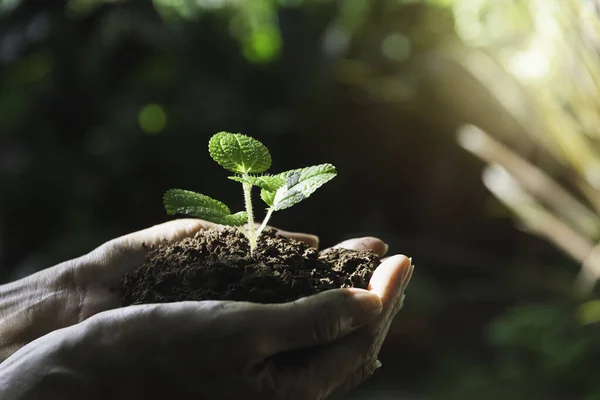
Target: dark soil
{"type": "Point", "coordinates": [216, 265]}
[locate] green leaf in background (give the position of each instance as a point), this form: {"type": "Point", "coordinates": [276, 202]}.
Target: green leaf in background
{"type": "Point", "coordinates": [179, 201]}
{"type": "Point", "coordinates": [239, 153]}
{"type": "Point", "coordinates": [267, 182]}
{"type": "Point", "coordinates": [299, 184]}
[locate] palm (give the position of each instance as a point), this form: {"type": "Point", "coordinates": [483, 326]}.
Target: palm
{"type": "Point", "coordinates": [99, 273]}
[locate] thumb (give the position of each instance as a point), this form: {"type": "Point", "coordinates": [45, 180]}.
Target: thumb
{"type": "Point", "coordinates": [317, 320]}
{"type": "Point", "coordinates": [118, 256]}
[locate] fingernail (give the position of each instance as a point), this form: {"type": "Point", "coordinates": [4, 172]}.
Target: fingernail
{"type": "Point", "coordinates": [308, 236]}
{"type": "Point", "coordinates": [363, 244]}
{"type": "Point", "coordinates": [405, 274]}
{"type": "Point", "coordinates": [378, 364]}
{"type": "Point", "coordinates": [386, 247]}
{"type": "Point", "coordinates": [350, 243]}
{"type": "Point", "coordinates": [365, 307]}
{"type": "Point", "coordinates": [409, 277]}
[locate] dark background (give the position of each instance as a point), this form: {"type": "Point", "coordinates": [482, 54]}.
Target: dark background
{"type": "Point", "coordinates": [106, 105]}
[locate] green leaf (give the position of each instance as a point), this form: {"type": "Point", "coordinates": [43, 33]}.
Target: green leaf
{"type": "Point", "coordinates": [267, 182]}
{"type": "Point", "coordinates": [299, 184]}
{"type": "Point", "coordinates": [237, 219]}
{"type": "Point", "coordinates": [179, 201]}
{"type": "Point", "coordinates": [268, 196]}
{"type": "Point", "coordinates": [239, 153]}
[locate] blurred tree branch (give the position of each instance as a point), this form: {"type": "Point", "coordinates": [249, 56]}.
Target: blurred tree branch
{"type": "Point", "coordinates": [524, 188]}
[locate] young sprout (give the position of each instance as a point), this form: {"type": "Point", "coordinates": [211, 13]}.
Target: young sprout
{"type": "Point", "coordinates": [248, 159]}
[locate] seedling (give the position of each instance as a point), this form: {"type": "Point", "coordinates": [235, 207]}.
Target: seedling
{"type": "Point", "coordinates": [248, 159]}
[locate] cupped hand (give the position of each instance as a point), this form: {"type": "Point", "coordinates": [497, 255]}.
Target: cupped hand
{"type": "Point", "coordinates": [314, 348]}
{"type": "Point", "coordinates": [99, 273]}
{"type": "Point", "coordinates": [74, 290]}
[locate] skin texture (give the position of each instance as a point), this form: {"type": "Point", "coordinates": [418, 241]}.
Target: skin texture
{"type": "Point", "coordinates": [66, 336]}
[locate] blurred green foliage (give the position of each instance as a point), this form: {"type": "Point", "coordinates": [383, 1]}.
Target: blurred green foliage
{"type": "Point", "coordinates": [539, 352]}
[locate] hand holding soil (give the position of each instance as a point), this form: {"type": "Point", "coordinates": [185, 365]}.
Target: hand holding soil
{"type": "Point", "coordinates": [70, 292]}
{"type": "Point", "coordinates": [311, 348]}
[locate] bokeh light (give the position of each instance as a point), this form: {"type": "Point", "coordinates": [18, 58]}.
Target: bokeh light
{"type": "Point", "coordinates": [152, 118]}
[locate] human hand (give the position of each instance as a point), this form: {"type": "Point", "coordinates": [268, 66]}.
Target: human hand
{"type": "Point", "coordinates": [72, 291]}
{"type": "Point", "coordinates": [313, 348]}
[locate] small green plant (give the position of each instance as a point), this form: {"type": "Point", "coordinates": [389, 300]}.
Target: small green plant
{"type": "Point", "coordinates": [249, 159]}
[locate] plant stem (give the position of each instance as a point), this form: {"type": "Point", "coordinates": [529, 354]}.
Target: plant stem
{"type": "Point", "coordinates": [251, 228]}
{"type": "Point", "coordinates": [244, 232]}
{"type": "Point", "coordinates": [264, 223]}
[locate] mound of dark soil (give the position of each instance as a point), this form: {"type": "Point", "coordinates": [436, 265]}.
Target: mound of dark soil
{"type": "Point", "coordinates": [217, 265]}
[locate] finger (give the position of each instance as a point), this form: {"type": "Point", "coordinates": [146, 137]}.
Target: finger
{"type": "Point", "coordinates": [322, 318]}
{"type": "Point", "coordinates": [319, 372]}
{"type": "Point", "coordinates": [169, 231]}
{"type": "Point", "coordinates": [367, 243]}
{"type": "Point", "coordinates": [307, 238]}
{"type": "Point", "coordinates": [351, 359]}
{"type": "Point", "coordinates": [315, 320]}
{"type": "Point", "coordinates": [120, 255]}
{"type": "Point", "coordinates": [389, 279]}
